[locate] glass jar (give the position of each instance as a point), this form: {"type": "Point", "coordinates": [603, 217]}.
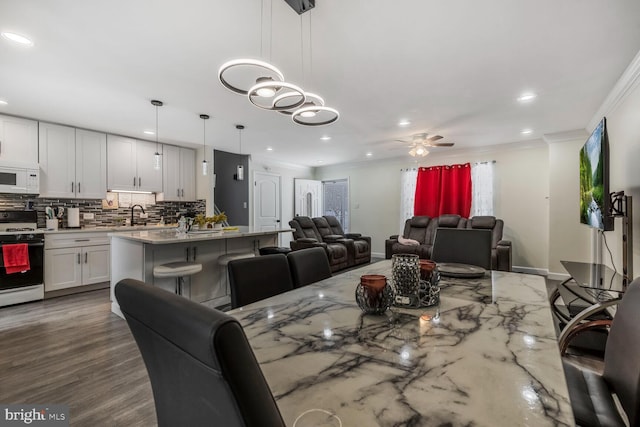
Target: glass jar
{"type": "Point", "coordinates": [405, 270]}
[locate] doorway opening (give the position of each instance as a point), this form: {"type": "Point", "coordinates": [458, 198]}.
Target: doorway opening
{"type": "Point", "coordinates": [336, 200]}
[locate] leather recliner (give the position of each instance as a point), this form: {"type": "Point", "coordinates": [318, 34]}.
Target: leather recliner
{"type": "Point", "coordinates": [423, 230]}
{"type": "Point", "coordinates": [358, 246]}
{"type": "Point", "coordinates": [306, 235]}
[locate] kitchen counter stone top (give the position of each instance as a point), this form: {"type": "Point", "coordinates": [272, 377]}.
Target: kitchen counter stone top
{"type": "Point", "coordinates": [111, 229]}
{"type": "Point", "coordinates": [169, 236]}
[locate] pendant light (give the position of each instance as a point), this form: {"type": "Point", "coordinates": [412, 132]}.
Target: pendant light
{"type": "Point", "coordinates": [312, 112]}
{"type": "Point", "coordinates": [239, 176]}
{"type": "Point", "coordinates": [156, 156]}
{"type": "Point", "coordinates": [205, 165]}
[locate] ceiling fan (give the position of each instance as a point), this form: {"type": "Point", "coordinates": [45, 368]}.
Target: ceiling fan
{"type": "Point", "coordinates": [421, 141]}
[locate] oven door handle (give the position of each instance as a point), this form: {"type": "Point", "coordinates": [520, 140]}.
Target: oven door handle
{"type": "Point", "coordinates": [29, 244]}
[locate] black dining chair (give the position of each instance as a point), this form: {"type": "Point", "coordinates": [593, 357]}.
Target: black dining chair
{"type": "Point", "coordinates": [254, 279]}
{"type": "Point", "coordinates": [462, 246]}
{"type": "Point", "coordinates": [308, 266]}
{"type": "Point", "coordinates": [591, 393]}
{"type": "Point", "coordinates": [201, 367]}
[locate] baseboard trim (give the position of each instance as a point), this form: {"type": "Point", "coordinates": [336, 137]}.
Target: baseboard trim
{"type": "Point", "coordinates": [559, 276]}
{"type": "Point", "coordinates": [377, 254]}
{"type": "Point", "coordinates": [530, 270]}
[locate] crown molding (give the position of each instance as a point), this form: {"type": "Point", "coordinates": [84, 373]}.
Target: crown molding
{"type": "Point", "coordinates": [569, 135]}
{"type": "Point", "coordinates": [623, 87]}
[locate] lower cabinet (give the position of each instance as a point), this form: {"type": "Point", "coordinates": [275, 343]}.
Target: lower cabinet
{"type": "Point", "coordinates": [76, 259]}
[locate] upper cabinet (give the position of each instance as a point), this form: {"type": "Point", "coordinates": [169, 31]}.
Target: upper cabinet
{"type": "Point", "coordinates": [73, 162]}
{"type": "Point", "coordinates": [178, 177]}
{"type": "Point", "coordinates": [130, 165]}
{"type": "Point", "coordinates": [18, 140]}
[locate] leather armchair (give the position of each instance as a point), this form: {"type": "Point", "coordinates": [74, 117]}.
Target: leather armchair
{"type": "Point", "coordinates": [358, 246]}
{"type": "Point", "coordinates": [306, 235]}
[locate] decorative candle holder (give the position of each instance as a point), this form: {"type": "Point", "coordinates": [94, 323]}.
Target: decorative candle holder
{"type": "Point", "coordinates": [373, 294]}
{"type": "Point", "coordinates": [405, 270]}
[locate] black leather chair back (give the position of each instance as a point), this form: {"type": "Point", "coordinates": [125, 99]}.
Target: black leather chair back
{"type": "Point", "coordinates": [254, 279]}
{"type": "Point", "coordinates": [201, 367]}
{"type": "Point", "coordinates": [464, 246]}
{"type": "Point", "coordinates": [308, 266]}
{"type": "Point", "coordinates": [622, 353]}
{"type": "Point", "coordinates": [304, 227]}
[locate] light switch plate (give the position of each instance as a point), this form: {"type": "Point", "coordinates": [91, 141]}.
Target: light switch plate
{"type": "Point", "coordinates": [88, 216]}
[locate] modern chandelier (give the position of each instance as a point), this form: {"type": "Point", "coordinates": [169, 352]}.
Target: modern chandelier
{"type": "Point", "coordinates": [265, 87]}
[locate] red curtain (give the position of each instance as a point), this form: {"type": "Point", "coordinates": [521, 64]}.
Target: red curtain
{"type": "Point", "coordinates": [443, 190]}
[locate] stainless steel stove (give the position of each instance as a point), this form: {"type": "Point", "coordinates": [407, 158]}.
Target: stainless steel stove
{"type": "Point", "coordinates": [18, 227]}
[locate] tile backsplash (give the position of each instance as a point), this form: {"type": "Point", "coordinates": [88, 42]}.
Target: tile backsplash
{"type": "Point", "coordinates": [170, 211]}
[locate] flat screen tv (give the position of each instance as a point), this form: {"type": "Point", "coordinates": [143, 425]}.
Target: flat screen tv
{"type": "Point", "coordinates": [595, 205]}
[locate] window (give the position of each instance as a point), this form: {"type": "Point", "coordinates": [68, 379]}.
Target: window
{"type": "Point", "coordinates": [336, 201]}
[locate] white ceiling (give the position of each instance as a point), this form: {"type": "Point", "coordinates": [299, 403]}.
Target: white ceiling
{"type": "Point", "coordinates": [451, 67]}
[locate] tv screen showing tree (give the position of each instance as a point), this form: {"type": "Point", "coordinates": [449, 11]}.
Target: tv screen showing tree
{"type": "Point", "coordinates": [594, 185]}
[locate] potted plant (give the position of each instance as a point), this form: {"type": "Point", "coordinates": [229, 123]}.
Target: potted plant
{"type": "Point", "coordinates": [219, 219]}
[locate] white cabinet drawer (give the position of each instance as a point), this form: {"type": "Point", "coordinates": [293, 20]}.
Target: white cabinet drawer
{"type": "Point", "coordinates": [74, 240]}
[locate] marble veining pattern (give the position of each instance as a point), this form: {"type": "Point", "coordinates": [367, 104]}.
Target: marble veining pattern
{"type": "Point", "coordinates": [489, 357]}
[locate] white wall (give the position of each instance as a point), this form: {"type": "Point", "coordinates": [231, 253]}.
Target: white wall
{"type": "Point", "coordinates": [522, 186]}
{"type": "Point", "coordinates": [623, 126]}
{"type": "Point", "coordinates": [287, 173]}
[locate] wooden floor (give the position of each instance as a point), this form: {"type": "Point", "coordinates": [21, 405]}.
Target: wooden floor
{"type": "Point", "coordinates": [72, 350]}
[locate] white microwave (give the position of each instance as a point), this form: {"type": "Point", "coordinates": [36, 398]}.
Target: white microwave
{"type": "Point", "coordinates": [18, 179]}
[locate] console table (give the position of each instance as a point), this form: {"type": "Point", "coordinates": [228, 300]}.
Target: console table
{"type": "Point", "coordinates": [592, 289]}
{"type": "Point", "coordinates": [489, 357]}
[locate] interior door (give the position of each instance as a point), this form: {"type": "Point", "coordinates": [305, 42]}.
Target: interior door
{"type": "Point", "coordinates": [308, 197]}
{"type": "Point", "coordinates": [266, 201]}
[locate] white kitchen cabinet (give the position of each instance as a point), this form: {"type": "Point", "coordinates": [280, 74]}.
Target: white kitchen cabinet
{"type": "Point", "coordinates": [73, 162]}
{"type": "Point", "coordinates": [178, 176]}
{"type": "Point", "coordinates": [76, 259]}
{"type": "Point", "coordinates": [18, 140]}
{"type": "Point", "coordinates": [130, 165]}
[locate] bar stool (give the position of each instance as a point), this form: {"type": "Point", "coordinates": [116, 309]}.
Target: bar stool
{"type": "Point", "coordinates": [223, 261]}
{"type": "Point", "coordinates": [178, 270]}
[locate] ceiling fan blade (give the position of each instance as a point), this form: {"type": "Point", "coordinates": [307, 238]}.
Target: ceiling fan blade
{"type": "Point", "coordinates": [435, 138]}
{"type": "Point", "coordinates": [442, 144]}
{"type": "Point", "coordinates": [402, 141]}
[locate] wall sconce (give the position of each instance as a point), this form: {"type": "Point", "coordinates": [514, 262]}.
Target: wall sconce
{"type": "Point", "coordinates": [239, 175]}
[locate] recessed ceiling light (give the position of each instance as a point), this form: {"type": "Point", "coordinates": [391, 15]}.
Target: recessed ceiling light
{"type": "Point", "coordinates": [526, 97]}
{"type": "Point", "coordinates": [526, 131]}
{"type": "Point", "coordinates": [17, 38]}
{"type": "Point", "coordinates": [369, 154]}
{"type": "Point", "coordinates": [325, 138]}
{"type": "Point", "coordinates": [269, 148]}
{"type": "Point", "coordinates": [149, 132]}
{"type": "Point", "coordinates": [3, 102]}
{"type": "Point", "coordinates": [320, 161]}
{"type": "Point", "coordinates": [404, 122]}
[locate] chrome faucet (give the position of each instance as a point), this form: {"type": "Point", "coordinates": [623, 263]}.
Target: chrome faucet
{"type": "Point", "coordinates": [132, 212]}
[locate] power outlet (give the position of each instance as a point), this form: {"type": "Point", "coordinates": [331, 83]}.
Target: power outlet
{"type": "Point", "coordinates": [88, 216]}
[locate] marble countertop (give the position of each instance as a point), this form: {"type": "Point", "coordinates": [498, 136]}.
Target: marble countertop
{"type": "Point", "coordinates": [163, 237]}
{"type": "Point", "coordinates": [488, 358]}
{"type": "Point", "coordinates": [110, 229]}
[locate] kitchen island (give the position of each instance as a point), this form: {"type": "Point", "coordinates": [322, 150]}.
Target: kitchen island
{"type": "Point", "coordinates": [134, 254]}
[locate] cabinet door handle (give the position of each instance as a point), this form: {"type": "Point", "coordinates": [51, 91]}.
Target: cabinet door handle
{"type": "Point", "coordinates": [195, 252]}
{"type": "Point", "coordinates": [72, 187]}
{"type": "Point", "coordinates": [134, 181]}
{"type": "Point", "coordinates": [0, 147]}
{"type": "Point", "coordinates": [188, 253]}
{"type": "Point", "coordinates": [78, 258]}
{"type": "Point", "coordinates": [183, 192]}
{"type": "Point", "coordinates": [178, 192]}
{"type": "Point", "coordinates": [82, 240]}
{"type": "Point", "coordinates": [79, 188]}
{"type": "Point", "coordinates": [86, 256]}
{"type": "Point", "coordinates": [139, 182]}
